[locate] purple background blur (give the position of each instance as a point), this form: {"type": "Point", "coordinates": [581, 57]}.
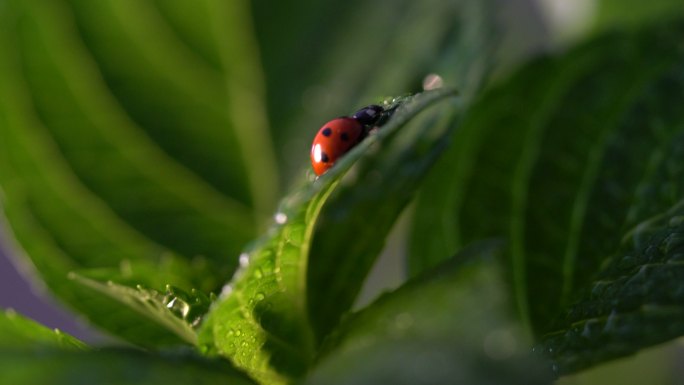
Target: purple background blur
{"type": "Point", "coordinates": [30, 300]}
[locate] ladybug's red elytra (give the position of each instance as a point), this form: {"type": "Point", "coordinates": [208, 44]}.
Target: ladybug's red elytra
{"type": "Point", "coordinates": [340, 135]}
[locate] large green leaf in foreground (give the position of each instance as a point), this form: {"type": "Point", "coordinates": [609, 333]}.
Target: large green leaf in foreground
{"type": "Point", "coordinates": [114, 367]}
{"type": "Point", "coordinates": [32, 354]}
{"type": "Point", "coordinates": [262, 322]}
{"type": "Point", "coordinates": [452, 325]}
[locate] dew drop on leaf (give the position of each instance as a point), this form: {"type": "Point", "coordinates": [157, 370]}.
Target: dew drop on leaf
{"type": "Point", "coordinates": [432, 82]}
{"type": "Point", "coordinates": [244, 260]}
{"type": "Point", "coordinates": [280, 218]}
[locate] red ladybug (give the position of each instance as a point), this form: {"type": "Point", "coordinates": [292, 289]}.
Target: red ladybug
{"type": "Point", "coordinates": [340, 135]}
{"type": "Point", "coordinates": [333, 140]}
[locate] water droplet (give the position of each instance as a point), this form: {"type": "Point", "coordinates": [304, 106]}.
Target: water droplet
{"type": "Point", "coordinates": [238, 332]}
{"type": "Point", "coordinates": [226, 290]}
{"type": "Point", "coordinates": [244, 260]}
{"type": "Point", "coordinates": [259, 296]}
{"type": "Point", "coordinates": [179, 307]}
{"type": "Point", "coordinates": [196, 322]}
{"type": "Point", "coordinates": [258, 274]}
{"type": "Point", "coordinates": [432, 82]}
{"type": "Point", "coordinates": [281, 218]}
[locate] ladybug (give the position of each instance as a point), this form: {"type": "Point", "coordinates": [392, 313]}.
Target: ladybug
{"type": "Point", "coordinates": [340, 135]}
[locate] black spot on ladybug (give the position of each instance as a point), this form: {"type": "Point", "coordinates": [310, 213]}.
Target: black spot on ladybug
{"type": "Point", "coordinates": [327, 131]}
{"type": "Point", "coordinates": [324, 158]}
{"type": "Point", "coordinates": [344, 136]}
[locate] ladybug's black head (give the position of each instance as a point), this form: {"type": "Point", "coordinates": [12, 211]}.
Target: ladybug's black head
{"type": "Point", "coordinates": [368, 115]}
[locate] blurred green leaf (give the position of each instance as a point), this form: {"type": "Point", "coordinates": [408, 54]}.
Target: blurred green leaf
{"type": "Point", "coordinates": [556, 160]}
{"type": "Point", "coordinates": [637, 301]}
{"type": "Point", "coordinates": [114, 366]}
{"type": "Point", "coordinates": [612, 14]}
{"type": "Point", "coordinates": [21, 334]}
{"type": "Point", "coordinates": [449, 326]}
{"type": "Point", "coordinates": [123, 149]}
{"type": "Point", "coordinates": [262, 323]}
{"type": "Point", "coordinates": [210, 119]}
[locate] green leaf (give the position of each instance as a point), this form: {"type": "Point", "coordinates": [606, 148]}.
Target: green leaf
{"type": "Point", "coordinates": [202, 115]}
{"type": "Point", "coordinates": [114, 366]}
{"type": "Point", "coordinates": [122, 160]}
{"type": "Point", "coordinates": [449, 326]}
{"type": "Point", "coordinates": [140, 183]}
{"type": "Point", "coordinates": [353, 225]}
{"type": "Point", "coordinates": [262, 321]}
{"type": "Point", "coordinates": [472, 48]}
{"type": "Point", "coordinates": [21, 334]}
{"type": "Point", "coordinates": [174, 310]}
{"type": "Point", "coordinates": [554, 161]}
{"type": "Point", "coordinates": [612, 14]}
{"type": "Point", "coordinates": [637, 301]}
